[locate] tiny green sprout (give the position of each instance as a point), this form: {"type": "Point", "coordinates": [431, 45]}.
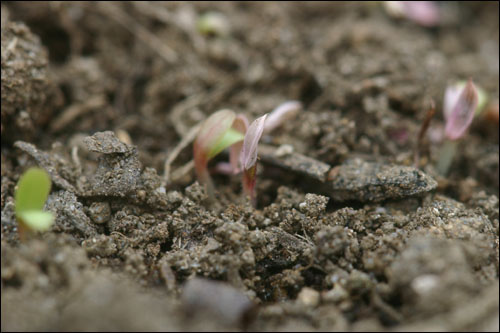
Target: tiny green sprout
{"type": "Point", "coordinates": [213, 24]}
{"type": "Point", "coordinates": [32, 191]}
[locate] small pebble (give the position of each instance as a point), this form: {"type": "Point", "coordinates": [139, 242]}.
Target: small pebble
{"type": "Point", "coordinates": [100, 212]}
{"type": "Point", "coordinates": [308, 297]}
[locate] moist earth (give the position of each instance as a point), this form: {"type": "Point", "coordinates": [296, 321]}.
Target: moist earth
{"type": "Point", "coordinates": [349, 231]}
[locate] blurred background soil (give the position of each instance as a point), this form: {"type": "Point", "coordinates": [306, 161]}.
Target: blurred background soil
{"type": "Point", "coordinates": [127, 242]}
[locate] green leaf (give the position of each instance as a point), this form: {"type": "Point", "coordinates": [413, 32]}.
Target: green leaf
{"type": "Point", "coordinates": [212, 131]}
{"type": "Point", "coordinates": [32, 191]}
{"type": "Point", "coordinates": [230, 137]}
{"type": "Point", "coordinates": [37, 220]}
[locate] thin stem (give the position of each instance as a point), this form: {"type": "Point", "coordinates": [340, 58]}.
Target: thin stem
{"type": "Point", "coordinates": [423, 129]}
{"type": "Point", "coordinates": [249, 180]}
{"type": "Point", "coordinates": [204, 177]}
{"type": "Point", "coordinates": [446, 155]}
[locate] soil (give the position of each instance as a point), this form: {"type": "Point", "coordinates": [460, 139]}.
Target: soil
{"type": "Point", "coordinates": [347, 233]}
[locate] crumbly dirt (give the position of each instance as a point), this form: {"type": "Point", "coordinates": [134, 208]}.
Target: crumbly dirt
{"type": "Point", "coordinates": [348, 232]}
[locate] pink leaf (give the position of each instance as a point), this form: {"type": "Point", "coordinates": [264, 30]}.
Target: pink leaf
{"type": "Point", "coordinates": [240, 124]}
{"type": "Point", "coordinates": [451, 96]}
{"type": "Point", "coordinates": [425, 13]}
{"type": "Point", "coordinates": [460, 117]}
{"type": "Point", "coordinates": [248, 155]}
{"type": "Point", "coordinates": [281, 114]}
{"type": "Point", "coordinates": [212, 130]}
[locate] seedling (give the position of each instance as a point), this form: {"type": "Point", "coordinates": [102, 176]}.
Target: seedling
{"type": "Point", "coordinates": [459, 109]}
{"type": "Point", "coordinates": [224, 129]}
{"type": "Point", "coordinates": [213, 24]}
{"type": "Point", "coordinates": [424, 13]}
{"type": "Point", "coordinates": [215, 135]}
{"type": "Point", "coordinates": [32, 191]}
{"type": "Point", "coordinates": [248, 157]}
{"type": "Point", "coordinates": [452, 94]}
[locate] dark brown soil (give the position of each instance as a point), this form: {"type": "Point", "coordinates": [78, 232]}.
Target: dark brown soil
{"type": "Point", "coordinates": [347, 234]}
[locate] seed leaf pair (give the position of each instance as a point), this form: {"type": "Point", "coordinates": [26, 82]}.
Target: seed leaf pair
{"type": "Point", "coordinates": [222, 130]}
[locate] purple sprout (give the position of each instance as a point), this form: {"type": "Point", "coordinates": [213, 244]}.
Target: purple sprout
{"type": "Point", "coordinates": [248, 157]}
{"type": "Point", "coordinates": [224, 129]}
{"type": "Point", "coordinates": [424, 13]}
{"type": "Point", "coordinates": [459, 108]}
{"type": "Point", "coordinates": [460, 105]}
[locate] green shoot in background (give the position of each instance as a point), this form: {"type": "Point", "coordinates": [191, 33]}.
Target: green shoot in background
{"type": "Point", "coordinates": [32, 191]}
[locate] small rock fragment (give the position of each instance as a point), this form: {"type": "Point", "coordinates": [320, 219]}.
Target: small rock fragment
{"type": "Point", "coordinates": [107, 143]}
{"type": "Point", "coordinates": [356, 179]}
{"type": "Point", "coordinates": [69, 213]}
{"type": "Point", "coordinates": [370, 181]}
{"type": "Point", "coordinates": [119, 169]}
{"type": "Point", "coordinates": [294, 162]}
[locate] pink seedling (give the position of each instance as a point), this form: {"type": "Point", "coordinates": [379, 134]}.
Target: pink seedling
{"type": "Point", "coordinates": [215, 135]}
{"type": "Point", "coordinates": [240, 124]}
{"type": "Point", "coordinates": [224, 129]}
{"type": "Point", "coordinates": [459, 108]}
{"type": "Point", "coordinates": [424, 13]}
{"type": "Point", "coordinates": [248, 157]}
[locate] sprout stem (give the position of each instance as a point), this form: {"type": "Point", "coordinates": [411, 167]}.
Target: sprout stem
{"type": "Point", "coordinates": [446, 155]}
{"type": "Point", "coordinates": [249, 180]}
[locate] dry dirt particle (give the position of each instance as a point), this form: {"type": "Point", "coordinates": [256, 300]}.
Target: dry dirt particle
{"type": "Point", "coordinates": [119, 168]}
{"type": "Point", "coordinates": [70, 215]}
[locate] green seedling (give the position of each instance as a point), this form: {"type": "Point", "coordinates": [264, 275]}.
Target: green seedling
{"type": "Point", "coordinates": [32, 191]}
{"type": "Point", "coordinates": [213, 24]}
